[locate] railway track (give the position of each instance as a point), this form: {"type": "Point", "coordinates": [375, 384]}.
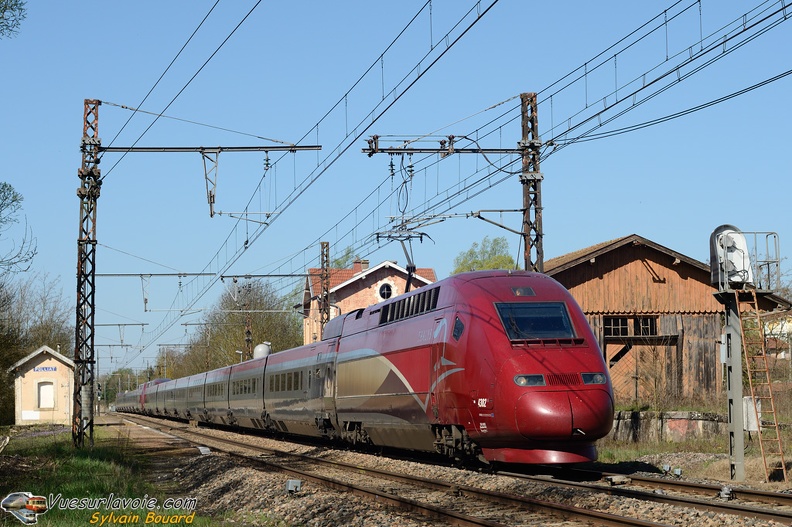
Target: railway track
{"type": "Point", "coordinates": [715, 498]}
{"type": "Point", "coordinates": [459, 504]}
{"type": "Point", "coordinates": [722, 491]}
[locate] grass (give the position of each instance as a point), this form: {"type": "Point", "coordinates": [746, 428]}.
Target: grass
{"type": "Point", "coordinates": [714, 463]}
{"type": "Point", "coordinates": [48, 465]}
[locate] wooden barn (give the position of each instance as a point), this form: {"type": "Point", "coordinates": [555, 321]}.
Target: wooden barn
{"type": "Point", "coordinates": [655, 315]}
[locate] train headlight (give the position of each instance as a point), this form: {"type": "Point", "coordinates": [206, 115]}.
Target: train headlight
{"type": "Point", "coordinates": [530, 380]}
{"type": "Point", "coordinates": [594, 378]}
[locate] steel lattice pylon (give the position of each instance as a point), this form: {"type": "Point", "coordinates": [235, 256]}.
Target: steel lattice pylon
{"type": "Point", "coordinates": [84, 359]}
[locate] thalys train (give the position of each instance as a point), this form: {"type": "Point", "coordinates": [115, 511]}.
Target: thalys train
{"type": "Point", "coordinates": [499, 366]}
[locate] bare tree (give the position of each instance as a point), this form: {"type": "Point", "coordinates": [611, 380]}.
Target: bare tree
{"type": "Point", "coordinates": [12, 13]}
{"type": "Point", "coordinates": [14, 256]}
{"type": "Point", "coordinates": [32, 313]}
{"type": "Point", "coordinates": [42, 314]}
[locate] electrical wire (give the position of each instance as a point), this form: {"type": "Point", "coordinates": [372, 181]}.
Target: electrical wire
{"type": "Point", "coordinates": [682, 113]}
{"type": "Point", "coordinates": [178, 94]}
{"type": "Point", "coordinates": [188, 121]}
{"type": "Point", "coordinates": [416, 74]}
{"type": "Point", "coordinates": [184, 46]}
{"type": "Point", "coordinates": [740, 23]}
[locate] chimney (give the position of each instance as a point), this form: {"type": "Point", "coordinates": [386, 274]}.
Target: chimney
{"type": "Point", "coordinates": [359, 265]}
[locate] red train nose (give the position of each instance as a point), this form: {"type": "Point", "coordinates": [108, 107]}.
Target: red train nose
{"type": "Point", "coordinates": [561, 415]}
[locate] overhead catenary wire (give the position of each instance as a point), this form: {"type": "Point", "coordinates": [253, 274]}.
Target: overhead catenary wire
{"type": "Point", "coordinates": [682, 113]}
{"type": "Point", "coordinates": [366, 244]}
{"type": "Point", "coordinates": [735, 30]}
{"type": "Point", "coordinates": [191, 79]}
{"type": "Point", "coordinates": [151, 90]}
{"type": "Point", "coordinates": [196, 288]}
{"type": "Point", "coordinates": [205, 125]}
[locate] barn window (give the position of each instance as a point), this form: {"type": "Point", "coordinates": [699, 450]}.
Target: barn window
{"type": "Point", "coordinates": [646, 325]}
{"type": "Point", "coordinates": [616, 327]}
{"type": "Point", "coordinates": [629, 326]}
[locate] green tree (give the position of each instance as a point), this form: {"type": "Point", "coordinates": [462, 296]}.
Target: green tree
{"type": "Point", "coordinates": [345, 260]}
{"type": "Point", "coordinates": [490, 254]}
{"type": "Point", "coordinates": [12, 13]}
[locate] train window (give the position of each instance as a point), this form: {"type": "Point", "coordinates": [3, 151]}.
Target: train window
{"type": "Point", "coordinates": [535, 320]}
{"type": "Point", "coordinates": [459, 327]}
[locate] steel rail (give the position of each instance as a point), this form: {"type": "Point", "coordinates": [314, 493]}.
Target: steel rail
{"type": "Point", "coordinates": [557, 510]}
{"type": "Point", "coordinates": [680, 501]}
{"type": "Point", "coordinates": [710, 489]}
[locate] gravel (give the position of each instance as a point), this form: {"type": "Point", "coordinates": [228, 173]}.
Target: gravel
{"type": "Point", "coordinates": [255, 497]}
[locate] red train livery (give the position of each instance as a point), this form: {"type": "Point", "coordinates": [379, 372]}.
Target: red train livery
{"type": "Point", "coordinates": [499, 366]}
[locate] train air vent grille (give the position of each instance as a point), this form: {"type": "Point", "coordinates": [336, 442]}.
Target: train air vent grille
{"type": "Point", "coordinates": [410, 306]}
{"type": "Point", "coordinates": [563, 379]}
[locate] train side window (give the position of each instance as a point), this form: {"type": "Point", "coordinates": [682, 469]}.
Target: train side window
{"type": "Point", "coordinates": [459, 327]}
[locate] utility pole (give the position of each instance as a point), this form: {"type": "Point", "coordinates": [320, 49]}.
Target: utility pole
{"type": "Point", "coordinates": [90, 186]}
{"type": "Point", "coordinates": [324, 298]}
{"type": "Point", "coordinates": [531, 179]}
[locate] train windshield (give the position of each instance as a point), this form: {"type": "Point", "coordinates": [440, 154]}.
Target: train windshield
{"type": "Point", "coordinates": [535, 320]}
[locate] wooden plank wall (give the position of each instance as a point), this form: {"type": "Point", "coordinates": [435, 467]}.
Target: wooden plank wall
{"type": "Point", "coordinates": [688, 369]}
{"type": "Point", "coordinates": [639, 279]}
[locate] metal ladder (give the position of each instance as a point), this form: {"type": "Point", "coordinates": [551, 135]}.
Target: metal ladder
{"type": "Point", "coordinates": [758, 370]}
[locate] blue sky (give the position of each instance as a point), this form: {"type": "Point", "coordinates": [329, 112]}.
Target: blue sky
{"type": "Point", "coordinates": [296, 72]}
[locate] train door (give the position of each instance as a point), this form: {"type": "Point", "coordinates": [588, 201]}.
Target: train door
{"type": "Point", "coordinates": [439, 333]}
{"type": "Point", "coordinates": [326, 382]}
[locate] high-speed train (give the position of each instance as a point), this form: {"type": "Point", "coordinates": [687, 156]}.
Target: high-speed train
{"type": "Point", "coordinates": [499, 366]}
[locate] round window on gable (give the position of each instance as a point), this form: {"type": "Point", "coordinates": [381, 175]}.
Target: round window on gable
{"type": "Point", "coordinates": [385, 291]}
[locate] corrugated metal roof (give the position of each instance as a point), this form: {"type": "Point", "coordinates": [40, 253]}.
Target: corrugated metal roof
{"type": "Point", "coordinates": [561, 263]}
